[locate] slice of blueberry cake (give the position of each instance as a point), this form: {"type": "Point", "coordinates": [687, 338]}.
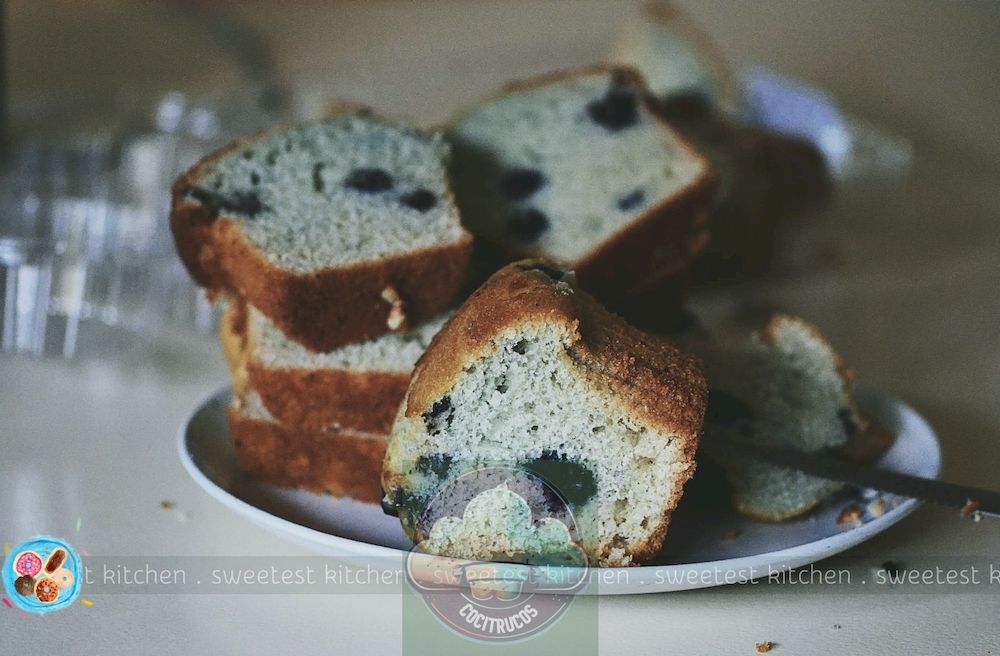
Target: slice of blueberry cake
{"type": "Point", "coordinates": [781, 385]}
{"type": "Point", "coordinates": [578, 168]}
{"type": "Point", "coordinates": [355, 387]}
{"type": "Point", "coordinates": [338, 231]}
{"type": "Point", "coordinates": [677, 57]}
{"type": "Point", "coordinates": [532, 374]}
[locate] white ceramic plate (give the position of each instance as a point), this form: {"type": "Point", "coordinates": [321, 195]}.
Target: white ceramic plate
{"type": "Point", "coordinates": [700, 548]}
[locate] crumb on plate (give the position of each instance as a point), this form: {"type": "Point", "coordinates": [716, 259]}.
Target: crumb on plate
{"type": "Point", "coordinates": [851, 514]}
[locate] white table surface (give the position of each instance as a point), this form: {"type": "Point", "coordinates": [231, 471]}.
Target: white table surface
{"type": "Point", "coordinates": [911, 300]}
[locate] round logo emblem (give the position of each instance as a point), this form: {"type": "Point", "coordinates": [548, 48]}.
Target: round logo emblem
{"type": "Point", "coordinates": [42, 575]}
{"type": "Point", "coordinates": [514, 560]}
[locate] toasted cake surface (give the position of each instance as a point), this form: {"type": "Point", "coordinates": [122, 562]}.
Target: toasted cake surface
{"type": "Point", "coordinates": [532, 373]}
{"type": "Point", "coordinates": [355, 387]}
{"type": "Point", "coordinates": [577, 167]}
{"type": "Point", "coordinates": [340, 463]}
{"type": "Point", "coordinates": [338, 231]}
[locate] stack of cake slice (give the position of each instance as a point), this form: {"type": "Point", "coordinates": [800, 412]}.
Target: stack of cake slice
{"type": "Point", "coordinates": [339, 249]}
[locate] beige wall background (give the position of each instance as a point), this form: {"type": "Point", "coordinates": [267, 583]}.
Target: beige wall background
{"type": "Point", "coordinates": [928, 68]}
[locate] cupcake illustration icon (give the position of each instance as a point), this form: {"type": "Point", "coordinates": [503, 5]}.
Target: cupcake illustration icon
{"type": "Point", "coordinates": [42, 575]}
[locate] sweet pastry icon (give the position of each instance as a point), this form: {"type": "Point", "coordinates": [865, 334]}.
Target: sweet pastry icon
{"type": "Point", "coordinates": [55, 560]}
{"type": "Point", "coordinates": [64, 578]}
{"type": "Point", "coordinates": [28, 563]}
{"type": "Point", "coordinates": [47, 591]}
{"type": "Point", "coordinates": [25, 585]}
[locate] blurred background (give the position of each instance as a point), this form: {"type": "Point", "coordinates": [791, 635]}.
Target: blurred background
{"type": "Point", "coordinates": [106, 100]}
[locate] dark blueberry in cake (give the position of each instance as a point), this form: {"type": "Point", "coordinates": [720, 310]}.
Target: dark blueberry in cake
{"type": "Point", "coordinates": [392, 501]}
{"type": "Point", "coordinates": [318, 183]}
{"type": "Point", "coordinates": [437, 464]}
{"type": "Point", "coordinates": [254, 178]}
{"type": "Point", "coordinates": [420, 200]}
{"type": "Point", "coordinates": [616, 110]}
{"type": "Point", "coordinates": [573, 481]}
{"type": "Point", "coordinates": [555, 273]}
{"type": "Point", "coordinates": [632, 201]}
{"type": "Point", "coordinates": [846, 418]}
{"type": "Point", "coordinates": [724, 408]}
{"type": "Point", "coordinates": [521, 184]}
{"type": "Point", "coordinates": [439, 416]}
{"type": "Point", "coordinates": [271, 157]}
{"type": "Point", "coordinates": [238, 202]}
{"type": "Point", "coordinates": [528, 226]}
{"type": "Point", "coordinates": [368, 181]}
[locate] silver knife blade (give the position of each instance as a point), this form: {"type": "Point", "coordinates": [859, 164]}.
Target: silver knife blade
{"type": "Point", "coordinates": [962, 497]}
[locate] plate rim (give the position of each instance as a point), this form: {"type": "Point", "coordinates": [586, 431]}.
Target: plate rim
{"type": "Point", "coordinates": [791, 557]}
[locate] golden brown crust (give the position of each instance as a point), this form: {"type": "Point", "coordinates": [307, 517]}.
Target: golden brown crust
{"type": "Point", "coordinates": [339, 463]}
{"type": "Point", "coordinates": [316, 398]}
{"type": "Point", "coordinates": [322, 309]}
{"type": "Point", "coordinates": [662, 240]}
{"type": "Point", "coordinates": [310, 398]}
{"type": "Point", "coordinates": [658, 382]}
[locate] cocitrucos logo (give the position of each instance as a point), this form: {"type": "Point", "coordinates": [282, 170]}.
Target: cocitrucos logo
{"type": "Point", "coordinates": [541, 569]}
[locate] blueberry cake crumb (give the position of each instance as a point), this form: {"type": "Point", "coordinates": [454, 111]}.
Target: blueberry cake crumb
{"type": "Point", "coordinates": [239, 202]}
{"type": "Point", "coordinates": [616, 110]}
{"type": "Point", "coordinates": [437, 464]}
{"type": "Point", "coordinates": [368, 181]}
{"type": "Point", "coordinates": [632, 201]}
{"type": "Point", "coordinates": [318, 184]}
{"type": "Point", "coordinates": [439, 416]}
{"type": "Point", "coordinates": [528, 226]}
{"type": "Point", "coordinates": [521, 184]}
{"type": "Point", "coordinates": [421, 200]}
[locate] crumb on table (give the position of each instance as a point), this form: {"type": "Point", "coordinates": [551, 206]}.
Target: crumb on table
{"type": "Point", "coordinates": [892, 568]}
{"type": "Point", "coordinates": [167, 505]}
{"type": "Point", "coordinates": [971, 509]}
{"type": "Point", "coordinates": [764, 647]}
